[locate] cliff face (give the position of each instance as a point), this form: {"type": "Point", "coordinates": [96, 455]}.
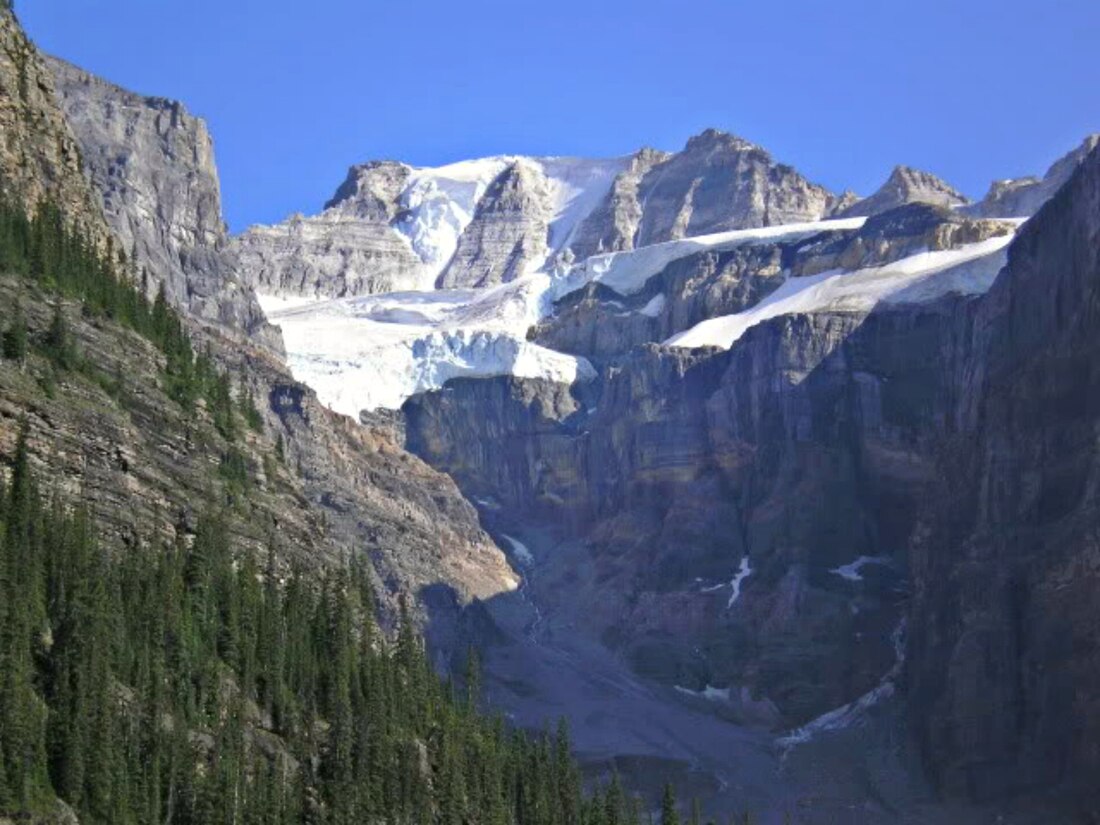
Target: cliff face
{"type": "Point", "coordinates": [1005, 650]}
{"type": "Point", "coordinates": [152, 165]}
{"type": "Point", "coordinates": [40, 157]}
{"type": "Point", "coordinates": [599, 323]}
{"type": "Point", "coordinates": [720, 182]}
{"type": "Point", "coordinates": [805, 448]}
{"type": "Point", "coordinates": [509, 232]}
{"type": "Point", "coordinates": [761, 518]}
{"type": "Point", "coordinates": [144, 465]}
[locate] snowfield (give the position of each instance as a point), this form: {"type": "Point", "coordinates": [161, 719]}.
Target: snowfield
{"type": "Point", "coordinates": [438, 203]}
{"type": "Point", "coordinates": [969, 270]}
{"type": "Point", "coordinates": [627, 272]}
{"type": "Point", "coordinates": [376, 351]}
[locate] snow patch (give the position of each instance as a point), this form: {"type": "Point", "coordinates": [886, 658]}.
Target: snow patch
{"type": "Point", "coordinates": [969, 270]}
{"type": "Point", "coordinates": [520, 550]}
{"type": "Point", "coordinates": [627, 272]}
{"type": "Point", "coordinates": [709, 693]}
{"type": "Point", "coordinates": [851, 570]}
{"type": "Point", "coordinates": [743, 572]}
{"type": "Point", "coordinates": [654, 307]}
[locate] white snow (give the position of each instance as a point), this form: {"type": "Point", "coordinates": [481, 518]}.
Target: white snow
{"type": "Point", "coordinates": [520, 550]}
{"type": "Point", "coordinates": [851, 570]}
{"type": "Point", "coordinates": [743, 572]}
{"type": "Point", "coordinates": [969, 270]}
{"type": "Point", "coordinates": [709, 692]}
{"type": "Point", "coordinates": [654, 306]}
{"type": "Point", "coordinates": [376, 351]}
{"type": "Point", "coordinates": [626, 272]}
{"type": "Point", "coordinates": [438, 203]}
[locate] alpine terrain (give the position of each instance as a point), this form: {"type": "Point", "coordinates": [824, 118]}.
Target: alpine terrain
{"type": "Point", "coordinates": [547, 490]}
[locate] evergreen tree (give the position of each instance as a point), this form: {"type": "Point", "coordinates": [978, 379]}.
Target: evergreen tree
{"type": "Point", "coordinates": [669, 814]}
{"type": "Point", "coordinates": [15, 336]}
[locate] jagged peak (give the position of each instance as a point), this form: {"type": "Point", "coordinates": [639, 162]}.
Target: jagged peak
{"type": "Point", "coordinates": [712, 138]}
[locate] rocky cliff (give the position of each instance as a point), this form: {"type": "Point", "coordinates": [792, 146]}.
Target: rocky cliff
{"type": "Point", "coordinates": [908, 185]}
{"type": "Point", "coordinates": [508, 234]}
{"type": "Point", "coordinates": [111, 437]}
{"type": "Point", "coordinates": [771, 523]}
{"type": "Point", "coordinates": [151, 164]}
{"type": "Point", "coordinates": [40, 158]}
{"type": "Point", "coordinates": [1005, 650]}
{"type": "Point", "coordinates": [1024, 196]}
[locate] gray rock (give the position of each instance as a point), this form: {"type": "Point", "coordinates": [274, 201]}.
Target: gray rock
{"type": "Point", "coordinates": [152, 164]}
{"type": "Point", "coordinates": [509, 232]}
{"type": "Point", "coordinates": [907, 185]}
{"type": "Point", "coordinates": [720, 182]}
{"type": "Point", "coordinates": [1022, 197]}
{"type": "Point", "coordinates": [349, 249]}
{"type": "Point", "coordinates": [612, 225]}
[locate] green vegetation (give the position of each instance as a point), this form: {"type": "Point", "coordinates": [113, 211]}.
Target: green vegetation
{"type": "Point", "coordinates": [63, 261]}
{"type": "Point", "coordinates": [183, 683]}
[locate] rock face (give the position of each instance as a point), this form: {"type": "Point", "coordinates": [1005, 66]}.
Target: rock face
{"type": "Point", "coordinates": [40, 157]}
{"type": "Point", "coordinates": [1006, 649]}
{"type": "Point", "coordinates": [349, 249]}
{"type": "Point", "coordinates": [599, 323]}
{"type": "Point", "coordinates": [908, 185]}
{"type": "Point", "coordinates": [141, 463]}
{"type": "Point", "coordinates": [508, 234]}
{"type": "Point", "coordinates": [721, 182]}
{"type": "Point", "coordinates": [1022, 197]}
{"type": "Point", "coordinates": [484, 222]}
{"type": "Point", "coordinates": [152, 164]}
{"type": "Point", "coordinates": [612, 225]}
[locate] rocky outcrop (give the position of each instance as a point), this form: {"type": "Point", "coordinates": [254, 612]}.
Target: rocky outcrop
{"type": "Point", "coordinates": [720, 182]}
{"type": "Point", "coordinates": [1005, 649]}
{"type": "Point", "coordinates": [1022, 197]}
{"type": "Point", "coordinates": [349, 249]}
{"type": "Point", "coordinates": [152, 165]}
{"type": "Point", "coordinates": [507, 235]}
{"type": "Point", "coordinates": [907, 185]}
{"type": "Point", "coordinates": [612, 225]}
{"type": "Point", "coordinates": [40, 158]}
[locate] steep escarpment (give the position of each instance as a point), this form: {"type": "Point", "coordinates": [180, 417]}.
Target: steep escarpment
{"type": "Point", "coordinates": [40, 158]}
{"type": "Point", "coordinates": [1005, 646]}
{"type": "Point", "coordinates": [807, 447]}
{"type": "Point", "coordinates": [147, 464]}
{"type": "Point", "coordinates": [721, 182]}
{"type": "Point", "coordinates": [151, 163]}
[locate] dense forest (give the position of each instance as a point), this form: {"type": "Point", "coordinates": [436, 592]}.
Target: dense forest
{"type": "Point", "coordinates": [183, 681]}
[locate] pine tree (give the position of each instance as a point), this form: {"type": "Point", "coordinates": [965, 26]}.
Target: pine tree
{"type": "Point", "coordinates": [669, 814]}
{"type": "Point", "coordinates": [15, 336]}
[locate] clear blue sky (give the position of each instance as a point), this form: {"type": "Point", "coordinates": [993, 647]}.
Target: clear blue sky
{"type": "Point", "coordinates": [296, 91]}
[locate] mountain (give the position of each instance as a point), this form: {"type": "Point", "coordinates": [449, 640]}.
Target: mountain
{"type": "Point", "coordinates": [151, 166]}
{"type": "Point", "coordinates": [908, 185]}
{"type": "Point", "coordinates": [1024, 196]}
{"type": "Point", "coordinates": [780, 495]}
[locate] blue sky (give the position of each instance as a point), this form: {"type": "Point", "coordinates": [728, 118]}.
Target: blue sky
{"type": "Point", "coordinates": [296, 92]}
